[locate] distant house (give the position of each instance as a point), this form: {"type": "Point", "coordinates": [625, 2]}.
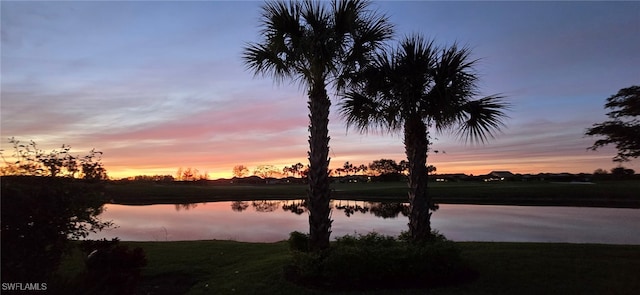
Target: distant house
{"type": "Point", "coordinates": [499, 176]}
{"type": "Point", "coordinates": [449, 177]}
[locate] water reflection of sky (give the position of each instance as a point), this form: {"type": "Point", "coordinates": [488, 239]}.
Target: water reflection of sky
{"type": "Point", "coordinates": [266, 221]}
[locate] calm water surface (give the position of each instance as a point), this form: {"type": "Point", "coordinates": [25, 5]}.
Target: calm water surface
{"type": "Point", "coordinates": [270, 221]}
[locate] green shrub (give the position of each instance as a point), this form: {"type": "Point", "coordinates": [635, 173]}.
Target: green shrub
{"type": "Point", "coordinates": [377, 261]}
{"type": "Point", "coordinates": [110, 269]}
{"type": "Point", "coordinates": [298, 241]}
{"type": "Point", "coordinates": [435, 236]}
{"type": "Point", "coordinates": [40, 215]}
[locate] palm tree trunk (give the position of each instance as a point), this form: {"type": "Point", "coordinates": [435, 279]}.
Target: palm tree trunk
{"type": "Point", "coordinates": [318, 194]}
{"type": "Point", "coordinates": [416, 146]}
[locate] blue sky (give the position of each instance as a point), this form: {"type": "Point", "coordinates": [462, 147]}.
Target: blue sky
{"type": "Point", "coordinates": [161, 85]}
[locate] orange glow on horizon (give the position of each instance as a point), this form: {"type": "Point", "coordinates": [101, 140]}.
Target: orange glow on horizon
{"type": "Point", "coordinates": [471, 162]}
{"type": "Point", "coordinates": [467, 162]}
{"type": "Point", "coordinates": [470, 168]}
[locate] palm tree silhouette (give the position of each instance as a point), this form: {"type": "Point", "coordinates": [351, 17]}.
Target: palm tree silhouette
{"type": "Point", "coordinates": [315, 45]}
{"type": "Point", "coordinates": [413, 88]}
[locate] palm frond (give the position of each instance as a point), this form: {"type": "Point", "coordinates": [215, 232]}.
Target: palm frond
{"type": "Point", "coordinates": [281, 33]}
{"type": "Point", "coordinates": [279, 17]}
{"type": "Point", "coordinates": [364, 112]}
{"type": "Point", "coordinates": [360, 32]}
{"type": "Point", "coordinates": [262, 61]}
{"type": "Point", "coordinates": [310, 41]}
{"type": "Point", "coordinates": [358, 110]}
{"type": "Point", "coordinates": [414, 62]}
{"type": "Point", "coordinates": [481, 119]}
{"type": "Point", "coordinates": [454, 82]}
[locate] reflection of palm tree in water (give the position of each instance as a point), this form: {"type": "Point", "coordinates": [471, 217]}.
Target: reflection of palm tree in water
{"type": "Point", "coordinates": [186, 206]}
{"type": "Point", "coordinates": [239, 206]}
{"type": "Point", "coordinates": [389, 210]}
{"type": "Point", "coordinates": [265, 206]}
{"type": "Point", "coordinates": [297, 207]}
{"type": "Point", "coordinates": [351, 209]}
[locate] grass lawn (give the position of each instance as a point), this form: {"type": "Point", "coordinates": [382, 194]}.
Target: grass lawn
{"type": "Point", "coordinates": [228, 267]}
{"type": "Point", "coordinates": [602, 194]}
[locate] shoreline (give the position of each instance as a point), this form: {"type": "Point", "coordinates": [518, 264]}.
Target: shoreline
{"type": "Point", "coordinates": [615, 194]}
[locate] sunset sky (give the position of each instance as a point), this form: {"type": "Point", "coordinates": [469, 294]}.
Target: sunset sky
{"type": "Point", "coordinates": [161, 85]}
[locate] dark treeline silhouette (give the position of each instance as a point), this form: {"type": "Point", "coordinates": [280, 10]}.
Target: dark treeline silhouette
{"type": "Point", "coordinates": [399, 175]}
{"type": "Point", "coordinates": [191, 174]}
{"type": "Point", "coordinates": [152, 178]}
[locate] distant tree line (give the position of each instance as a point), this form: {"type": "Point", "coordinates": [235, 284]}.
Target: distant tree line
{"type": "Point", "coordinates": [378, 170]}
{"type": "Point", "coordinates": [190, 174]}
{"type": "Point", "coordinates": [270, 171]}
{"type": "Point", "coordinates": [618, 172]}
{"type": "Point", "coordinates": [153, 178]}
{"type": "Point", "coordinates": [375, 168]}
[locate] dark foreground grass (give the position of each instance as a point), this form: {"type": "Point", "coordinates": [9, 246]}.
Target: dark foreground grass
{"type": "Point", "coordinates": [621, 194]}
{"type": "Point", "coordinates": [228, 267]}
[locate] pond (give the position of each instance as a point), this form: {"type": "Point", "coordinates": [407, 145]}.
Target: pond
{"type": "Point", "coordinates": [270, 221]}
